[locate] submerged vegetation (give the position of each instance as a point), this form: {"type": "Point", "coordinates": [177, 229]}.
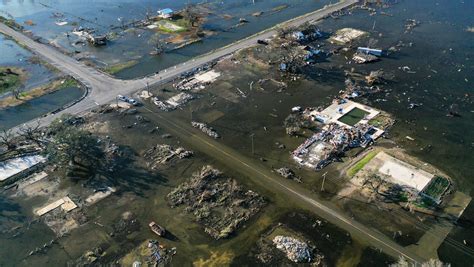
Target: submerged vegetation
{"type": "Point", "coordinates": [11, 79]}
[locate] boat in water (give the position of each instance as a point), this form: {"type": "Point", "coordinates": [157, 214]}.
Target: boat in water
{"type": "Point", "coordinates": [157, 229]}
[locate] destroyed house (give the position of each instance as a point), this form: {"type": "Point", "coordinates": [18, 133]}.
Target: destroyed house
{"type": "Point", "coordinates": [307, 35]}
{"type": "Point", "coordinates": [165, 13]}
{"type": "Point", "coordinates": [97, 40]}
{"type": "Point", "coordinates": [370, 51]}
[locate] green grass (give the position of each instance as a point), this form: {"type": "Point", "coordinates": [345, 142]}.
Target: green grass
{"type": "Point", "coordinates": [112, 69]}
{"type": "Point", "coordinates": [403, 197]}
{"type": "Point", "coordinates": [377, 122]}
{"type": "Point", "coordinates": [359, 165]}
{"type": "Point", "coordinates": [183, 23]}
{"type": "Point", "coordinates": [11, 23]}
{"type": "Point", "coordinates": [68, 83]}
{"type": "Point", "coordinates": [180, 23]}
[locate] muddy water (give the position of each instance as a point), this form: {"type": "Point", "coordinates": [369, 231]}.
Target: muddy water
{"type": "Point", "coordinates": [440, 58]}
{"type": "Point", "coordinates": [451, 138]}
{"type": "Point", "coordinates": [103, 16]}
{"type": "Point", "coordinates": [11, 54]}
{"type": "Point", "coordinates": [37, 107]}
{"type": "Point", "coordinates": [14, 55]}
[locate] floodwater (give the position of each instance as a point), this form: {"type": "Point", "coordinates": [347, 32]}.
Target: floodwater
{"type": "Point", "coordinates": [13, 116]}
{"type": "Point", "coordinates": [14, 55]}
{"type": "Point", "coordinates": [439, 54]}
{"type": "Point", "coordinates": [105, 16]}
{"type": "Point", "coordinates": [440, 58]}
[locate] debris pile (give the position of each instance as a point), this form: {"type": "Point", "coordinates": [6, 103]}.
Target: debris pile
{"type": "Point", "coordinates": [324, 147]}
{"type": "Point", "coordinates": [159, 254]}
{"type": "Point", "coordinates": [346, 35]}
{"type": "Point", "coordinates": [295, 123]}
{"type": "Point", "coordinates": [354, 90]}
{"type": "Point", "coordinates": [218, 203]}
{"type": "Point", "coordinates": [288, 174]}
{"type": "Point", "coordinates": [198, 81]}
{"type": "Point", "coordinates": [410, 25]}
{"type": "Point", "coordinates": [206, 129]}
{"type": "Point", "coordinates": [162, 153]}
{"type": "Point", "coordinates": [173, 102]}
{"type": "Point", "coordinates": [89, 35]}
{"type": "Point", "coordinates": [127, 224]}
{"type": "Point", "coordinates": [295, 250]}
{"type": "Point", "coordinates": [376, 76]}
{"type": "Point", "coordinates": [361, 58]}
{"type": "Point", "coordinates": [306, 35]}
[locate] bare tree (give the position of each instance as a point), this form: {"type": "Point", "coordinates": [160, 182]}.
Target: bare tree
{"type": "Point", "coordinates": [158, 44]}
{"type": "Point", "coordinates": [32, 133]}
{"type": "Point", "coordinates": [7, 139]}
{"type": "Point", "coordinates": [284, 31]}
{"type": "Point", "coordinates": [191, 14]}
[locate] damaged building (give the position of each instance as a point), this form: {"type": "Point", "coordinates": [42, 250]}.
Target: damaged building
{"type": "Point", "coordinates": [346, 126]}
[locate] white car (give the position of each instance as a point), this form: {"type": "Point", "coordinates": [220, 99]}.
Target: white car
{"type": "Point", "coordinates": [122, 98]}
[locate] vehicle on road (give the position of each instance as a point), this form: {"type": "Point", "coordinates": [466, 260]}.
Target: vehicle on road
{"type": "Point", "coordinates": [133, 101]}
{"type": "Point", "coordinates": [122, 98]}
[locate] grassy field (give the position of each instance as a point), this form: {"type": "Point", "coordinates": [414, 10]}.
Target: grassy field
{"type": "Point", "coordinates": [112, 69]}
{"type": "Point", "coordinates": [359, 165]}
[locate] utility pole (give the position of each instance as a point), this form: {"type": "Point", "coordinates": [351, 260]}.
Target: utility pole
{"type": "Point", "coordinates": [324, 179]}
{"type": "Point", "coordinates": [253, 147]}
{"type": "Point", "coordinates": [192, 112]}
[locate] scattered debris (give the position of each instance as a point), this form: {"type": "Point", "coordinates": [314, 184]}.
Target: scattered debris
{"type": "Point", "coordinates": [346, 35]}
{"type": "Point", "coordinates": [410, 25]}
{"type": "Point", "coordinates": [205, 129]}
{"type": "Point", "coordinates": [173, 102]}
{"type": "Point", "coordinates": [295, 250]}
{"type": "Point", "coordinates": [162, 153]}
{"type": "Point", "coordinates": [220, 204]}
{"type": "Point", "coordinates": [146, 95]}
{"type": "Point", "coordinates": [361, 58]}
{"type": "Point", "coordinates": [198, 81]}
{"type": "Point", "coordinates": [288, 174]}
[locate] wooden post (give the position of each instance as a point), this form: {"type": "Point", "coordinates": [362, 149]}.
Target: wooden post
{"type": "Point", "coordinates": [324, 179]}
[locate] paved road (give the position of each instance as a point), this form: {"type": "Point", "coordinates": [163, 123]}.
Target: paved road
{"type": "Point", "coordinates": [104, 88]}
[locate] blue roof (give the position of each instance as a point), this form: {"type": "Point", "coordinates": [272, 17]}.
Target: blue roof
{"type": "Point", "coordinates": [165, 11]}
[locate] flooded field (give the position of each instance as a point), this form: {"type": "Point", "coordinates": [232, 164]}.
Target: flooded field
{"type": "Point", "coordinates": [108, 17]}
{"type": "Point", "coordinates": [247, 106]}
{"type": "Point", "coordinates": [37, 77]}
{"type": "Point", "coordinates": [242, 115]}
